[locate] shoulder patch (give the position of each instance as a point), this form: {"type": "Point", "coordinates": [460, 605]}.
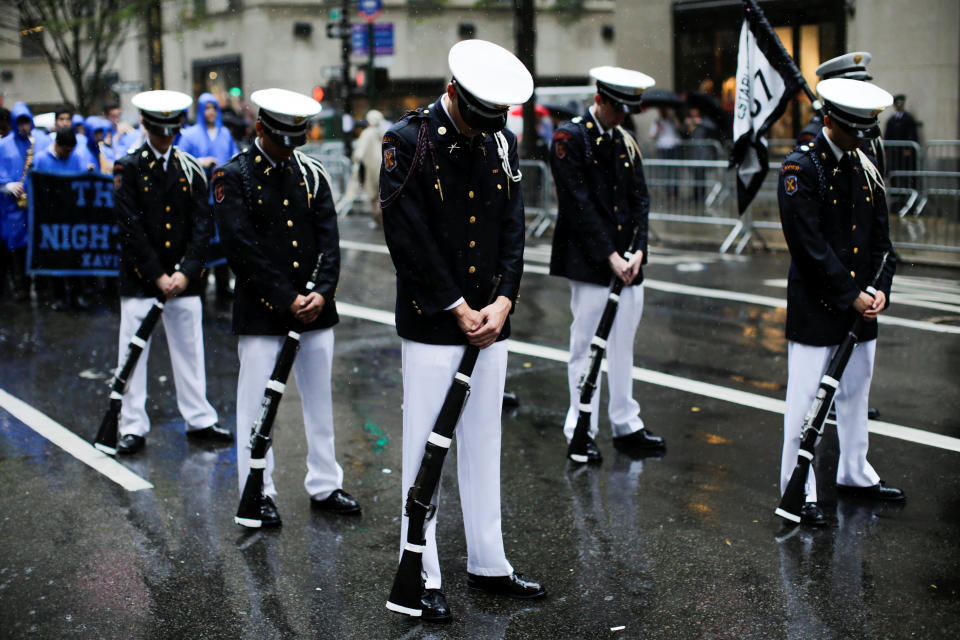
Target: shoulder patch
{"type": "Point", "coordinates": [117, 176]}
{"type": "Point", "coordinates": [790, 184]}
{"type": "Point", "coordinates": [389, 157]}
{"type": "Point", "coordinates": [218, 186]}
{"type": "Point", "coordinates": [561, 135]}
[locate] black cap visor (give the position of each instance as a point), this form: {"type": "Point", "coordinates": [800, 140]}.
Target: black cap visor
{"type": "Point", "coordinates": [850, 73]}
{"type": "Point", "coordinates": [625, 102]}
{"type": "Point", "coordinates": [861, 128]}
{"type": "Point", "coordinates": [283, 134]}
{"type": "Point", "coordinates": [478, 114]}
{"type": "Point", "coordinates": [162, 125]}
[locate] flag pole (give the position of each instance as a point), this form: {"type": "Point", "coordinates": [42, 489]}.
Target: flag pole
{"type": "Point", "coordinates": [761, 20]}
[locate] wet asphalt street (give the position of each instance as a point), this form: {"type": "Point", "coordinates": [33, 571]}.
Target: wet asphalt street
{"type": "Point", "coordinates": [683, 546]}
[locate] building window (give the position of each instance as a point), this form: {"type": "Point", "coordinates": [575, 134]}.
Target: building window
{"type": "Point", "coordinates": [223, 77]}
{"type": "Point", "coordinates": [199, 8]}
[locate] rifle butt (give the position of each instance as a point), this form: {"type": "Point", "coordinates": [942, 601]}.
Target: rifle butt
{"type": "Point", "coordinates": [408, 583]}
{"type": "Point", "coordinates": [577, 449]}
{"type": "Point", "coordinates": [251, 500]}
{"type": "Point", "coordinates": [108, 434]}
{"type": "Point", "coordinates": [791, 503]}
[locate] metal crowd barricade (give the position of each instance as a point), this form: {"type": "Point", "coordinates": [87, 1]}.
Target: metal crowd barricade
{"type": "Point", "coordinates": [539, 196]}
{"type": "Point", "coordinates": [690, 191]}
{"type": "Point", "coordinates": [902, 155]}
{"type": "Point", "coordinates": [338, 167]}
{"type": "Point", "coordinates": [932, 220]}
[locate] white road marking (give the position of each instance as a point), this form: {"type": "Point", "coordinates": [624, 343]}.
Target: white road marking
{"type": "Point", "coordinates": [718, 392]}
{"type": "Point", "coordinates": [702, 292]}
{"type": "Point", "coordinates": [72, 443]}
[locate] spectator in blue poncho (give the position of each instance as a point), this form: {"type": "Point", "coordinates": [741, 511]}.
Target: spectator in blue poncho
{"type": "Point", "coordinates": [102, 156]}
{"type": "Point", "coordinates": [210, 142]}
{"type": "Point", "coordinates": [17, 151]}
{"type": "Point", "coordinates": [64, 155]}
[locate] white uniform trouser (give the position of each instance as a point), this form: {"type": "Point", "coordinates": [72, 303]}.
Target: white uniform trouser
{"type": "Point", "coordinates": [428, 371]}
{"type": "Point", "coordinates": [311, 369]}
{"type": "Point", "coordinates": [587, 302]}
{"type": "Point", "coordinates": [182, 322]}
{"type": "Point", "coordinates": [806, 364]}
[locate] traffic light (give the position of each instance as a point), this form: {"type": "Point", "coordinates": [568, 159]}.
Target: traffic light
{"type": "Point", "coordinates": [318, 94]}
{"type": "Point", "coordinates": [380, 77]}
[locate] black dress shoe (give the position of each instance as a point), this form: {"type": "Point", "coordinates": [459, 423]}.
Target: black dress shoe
{"type": "Point", "coordinates": [339, 502]}
{"type": "Point", "coordinates": [214, 433]}
{"type": "Point", "coordinates": [876, 492]}
{"type": "Point", "coordinates": [593, 452]}
{"type": "Point", "coordinates": [433, 606]}
{"type": "Point", "coordinates": [514, 585]}
{"type": "Point", "coordinates": [269, 516]}
{"type": "Point", "coordinates": [811, 514]}
{"type": "Point", "coordinates": [639, 439]}
{"type": "Point", "coordinates": [510, 400]}
{"type": "Point", "coordinates": [130, 443]}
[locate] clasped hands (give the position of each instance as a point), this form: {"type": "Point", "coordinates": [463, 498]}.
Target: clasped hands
{"type": "Point", "coordinates": [307, 308]}
{"type": "Point", "coordinates": [173, 285]}
{"type": "Point", "coordinates": [483, 327]}
{"type": "Point", "coordinates": [626, 270]}
{"type": "Point", "coordinates": [870, 306]}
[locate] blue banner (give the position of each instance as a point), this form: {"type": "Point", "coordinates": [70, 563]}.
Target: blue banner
{"type": "Point", "coordinates": [72, 228]}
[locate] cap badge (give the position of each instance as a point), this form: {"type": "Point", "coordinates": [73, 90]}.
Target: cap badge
{"type": "Point", "coordinates": [857, 58]}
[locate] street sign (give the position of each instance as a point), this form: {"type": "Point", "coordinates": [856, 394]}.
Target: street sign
{"type": "Point", "coordinates": [127, 86]}
{"type": "Point", "coordinates": [370, 9]}
{"type": "Point", "coordinates": [335, 14]}
{"type": "Point", "coordinates": [335, 30]}
{"type": "Point", "coordinates": [382, 39]}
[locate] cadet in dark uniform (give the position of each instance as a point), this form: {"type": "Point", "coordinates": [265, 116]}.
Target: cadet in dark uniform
{"type": "Point", "coordinates": [834, 217]}
{"type": "Point", "coordinates": [603, 196]}
{"type": "Point", "coordinates": [852, 66]}
{"type": "Point", "coordinates": [276, 216]}
{"type": "Point", "coordinates": [453, 219]}
{"type": "Point", "coordinates": [164, 222]}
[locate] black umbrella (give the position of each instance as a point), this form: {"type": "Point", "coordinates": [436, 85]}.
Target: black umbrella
{"type": "Point", "coordinates": [707, 104]}
{"type": "Point", "coordinates": [561, 111]}
{"type": "Point", "coordinates": [661, 98]}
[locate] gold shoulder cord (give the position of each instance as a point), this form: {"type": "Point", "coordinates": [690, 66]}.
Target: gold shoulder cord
{"type": "Point", "coordinates": [872, 174]}
{"type": "Point", "coordinates": [633, 149]}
